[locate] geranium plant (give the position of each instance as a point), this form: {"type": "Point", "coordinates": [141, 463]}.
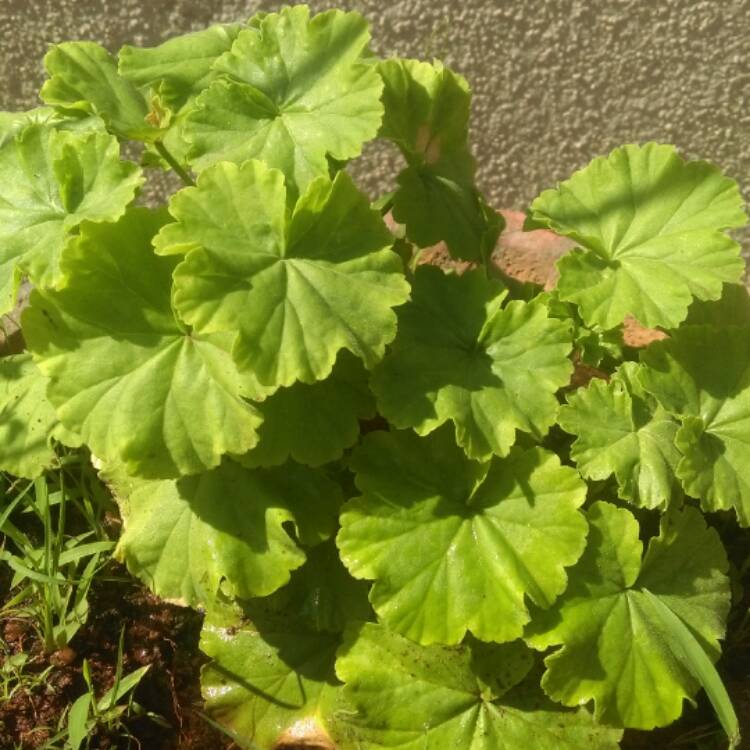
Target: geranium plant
{"type": "Point", "coordinates": [406, 526]}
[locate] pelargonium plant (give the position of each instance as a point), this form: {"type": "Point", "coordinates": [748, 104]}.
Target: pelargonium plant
{"type": "Point", "coordinates": [406, 524]}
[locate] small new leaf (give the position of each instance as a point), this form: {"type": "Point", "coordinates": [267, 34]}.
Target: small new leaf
{"type": "Point", "coordinates": [454, 545]}
{"type": "Point", "coordinates": [651, 231]}
{"type": "Point", "coordinates": [460, 356]}
{"type": "Point", "coordinates": [615, 650]}
{"type": "Point", "coordinates": [181, 67]}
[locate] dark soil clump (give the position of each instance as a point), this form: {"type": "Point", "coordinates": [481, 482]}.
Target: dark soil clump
{"type": "Point", "coordinates": [158, 634]}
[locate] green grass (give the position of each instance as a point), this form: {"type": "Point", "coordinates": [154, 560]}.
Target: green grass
{"type": "Point", "coordinates": [54, 542]}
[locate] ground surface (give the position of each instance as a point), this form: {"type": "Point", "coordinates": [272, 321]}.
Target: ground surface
{"type": "Point", "coordinates": [159, 634]}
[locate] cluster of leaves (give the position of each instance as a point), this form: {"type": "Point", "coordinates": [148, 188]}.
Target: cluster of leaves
{"type": "Point", "coordinates": [407, 530]}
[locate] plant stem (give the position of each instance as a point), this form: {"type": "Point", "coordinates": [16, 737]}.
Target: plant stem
{"type": "Point", "coordinates": [164, 153]}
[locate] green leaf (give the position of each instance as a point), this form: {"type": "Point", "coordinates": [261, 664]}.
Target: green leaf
{"type": "Point", "coordinates": [315, 423]}
{"type": "Point", "coordinates": [615, 649]}
{"type": "Point", "coordinates": [701, 375]}
{"type": "Point", "coordinates": [226, 528]}
{"type": "Point", "coordinates": [123, 372]}
{"type": "Point", "coordinates": [732, 309]}
{"type": "Point", "coordinates": [455, 545]}
{"type": "Point", "coordinates": [687, 648]}
{"type": "Point", "coordinates": [296, 92]}
{"type": "Point", "coordinates": [50, 182]}
{"type": "Point", "coordinates": [650, 227]}
{"type": "Point", "coordinates": [460, 356]}
{"type": "Point", "coordinates": [12, 123]}
{"type": "Point", "coordinates": [121, 688]}
{"type": "Point", "coordinates": [84, 77]}
{"type": "Point", "coordinates": [297, 288]}
{"type": "Point", "coordinates": [592, 346]}
{"type": "Point", "coordinates": [27, 420]}
{"type": "Point", "coordinates": [427, 110]}
{"type": "Point", "coordinates": [78, 721]}
{"type": "Point", "coordinates": [414, 697]}
{"type": "Point", "coordinates": [322, 593]}
{"type": "Point", "coordinates": [181, 67]}
{"type": "Point", "coordinates": [269, 678]}
{"type": "Point", "coordinates": [621, 430]}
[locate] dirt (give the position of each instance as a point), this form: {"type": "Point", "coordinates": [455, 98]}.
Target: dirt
{"type": "Point", "coordinates": [158, 634]}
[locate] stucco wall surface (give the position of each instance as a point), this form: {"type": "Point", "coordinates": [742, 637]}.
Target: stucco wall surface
{"type": "Point", "coordinates": [555, 82]}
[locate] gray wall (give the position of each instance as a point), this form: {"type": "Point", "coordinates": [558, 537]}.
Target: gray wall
{"type": "Point", "coordinates": [555, 83]}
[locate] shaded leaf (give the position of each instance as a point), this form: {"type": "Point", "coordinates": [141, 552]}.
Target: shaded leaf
{"type": "Point", "coordinates": [414, 697]}
{"type": "Point", "coordinates": [27, 419]}
{"type": "Point", "coordinates": [271, 677]}
{"type": "Point", "coordinates": [427, 110]}
{"type": "Point", "coordinates": [225, 529]}
{"type": "Point", "coordinates": [314, 423]}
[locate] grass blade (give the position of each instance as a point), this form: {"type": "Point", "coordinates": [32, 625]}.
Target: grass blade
{"type": "Point", "coordinates": [689, 651]}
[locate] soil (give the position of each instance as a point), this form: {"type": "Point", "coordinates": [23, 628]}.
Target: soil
{"type": "Point", "coordinates": [159, 634]}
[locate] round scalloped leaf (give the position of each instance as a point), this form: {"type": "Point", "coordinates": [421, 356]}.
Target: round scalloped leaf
{"type": "Point", "coordinates": [298, 92]}
{"type": "Point", "coordinates": [454, 545]}
{"type": "Point", "coordinates": [299, 288]}
{"type": "Point", "coordinates": [313, 423]}
{"type": "Point", "coordinates": [701, 375]}
{"type": "Point", "coordinates": [50, 181]}
{"type": "Point", "coordinates": [614, 649]}
{"type": "Point", "coordinates": [181, 67]}
{"type": "Point", "coordinates": [427, 110]}
{"type": "Point", "coordinates": [27, 420]}
{"type": "Point", "coordinates": [650, 227]}
{"type": "Point", "coordinates": [123, 373]}
{"type": "Point", "coordinates": [84, 77]}
{"type": "Point", "coordinates": [459, 356]}
{"type": "Point", "coordinates": [411, 697]}
{"type": "Point", "coordinates": [622, 431]}
{"type": "Point", "coordinates": [188, 538]}
{"type": "Point", "coordinates": [271, 678]}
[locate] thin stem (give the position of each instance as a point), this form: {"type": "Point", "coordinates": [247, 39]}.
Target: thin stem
{"type": "Point", "coordinates": [164, 153]}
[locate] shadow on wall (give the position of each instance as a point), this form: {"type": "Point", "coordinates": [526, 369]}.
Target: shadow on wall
{"type": "Point", "coordinates": [556, 82]}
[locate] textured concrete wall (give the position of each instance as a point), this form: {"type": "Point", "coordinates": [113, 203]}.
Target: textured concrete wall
{"type": "Point", "coordinates": [555, 82]}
